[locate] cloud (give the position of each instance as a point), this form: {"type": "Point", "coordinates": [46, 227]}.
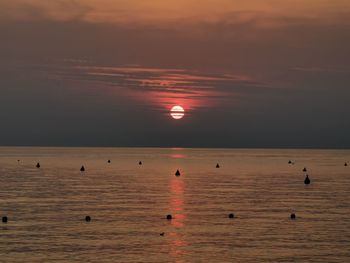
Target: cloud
{"type": "Point", "coordinates": [166, 13]}
{"type": "Point", "coordinates": [159, 87]}
{"type": "Point", "coordinates": [37, 10]}
{"type": "Point", "coordinates": [320, 70]}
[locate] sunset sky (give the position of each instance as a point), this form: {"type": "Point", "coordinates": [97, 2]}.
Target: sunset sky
{"type": "Point", "coordinates": [248, 73]}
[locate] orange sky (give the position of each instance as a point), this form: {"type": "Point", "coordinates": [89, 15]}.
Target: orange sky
{"type": "Point", "coordinates": [161, 11]}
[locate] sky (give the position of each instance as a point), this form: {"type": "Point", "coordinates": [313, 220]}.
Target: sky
{"type": "Point", "coordinates": [257, 74]}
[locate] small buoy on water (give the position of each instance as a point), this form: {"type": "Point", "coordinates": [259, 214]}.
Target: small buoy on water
{"type": "Point", "coordinates": [231, 216]}
{"type": "Point", "coordinates": [109, 161]}
{"type": "Point", "coordinates": [292, 216]}
{"type": "Point", "coordinates": [304, 170]}
{"type": "Point", "coordinates": [307, 180]}
{"type": "Point", "coordinates": [345, 164]}
{"type": "Point", "coordinates": [169, 217]}
{"type": "Point", "coordinates": [87, 218]}
{"type": "Point", "coordinates": [177, 172]}
{"type": "Point", "coordinates": [82, 169]}
{"type": "Point", "coordinates": [140, 163]}
{"type": "Point", "coordinates": [162, 234]}
{"type": "Point", "coordinates": [4, 219]}
{"type": "Point", "coordinates": [290, 162]}
{"type": "Point", "coordinates": [38, 165]}
{"type": "Point", "coordinates": [217, 165]}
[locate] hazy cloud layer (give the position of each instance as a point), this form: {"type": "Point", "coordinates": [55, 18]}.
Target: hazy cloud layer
{"type": "Point", "coordinates": [156, 12]}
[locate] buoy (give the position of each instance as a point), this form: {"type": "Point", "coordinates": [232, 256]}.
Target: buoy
{"type": "Point", "coordinates": [82, 169]}
{"type": "Point", "coordinates": [292, 216]}
{"type": "Point", "coordinates": [177, 172]}
{"type": "Point", "coordinates": [169, 217]}
{"type": "Point", "coordinates": [345, 164]}
{"type": "Point", "coordinates": [290, 162]}
{"type": "Point", "coordinates": [307, 180]}
{"type": "Point", "coordinates": [87, 218]}
{"type": "Point", "coordinates": [38, 165]}
{"type": "Point", "coordinates": [109, 161]}
{"type": "Point", "coordinates": [304, 170]}
{"type": "Point", "coordinates": [4, 219]}
{"type": "Point", "coordinates": [140, 163]}
{"type": "Point", "coordinates": [162, 234]}
{"type": "Point", "coordinates": [231, 216]}
{"type": "Point", "coordinates": [217, 165]}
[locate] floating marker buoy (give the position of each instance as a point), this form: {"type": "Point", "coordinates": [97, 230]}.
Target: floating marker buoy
{"type": "Point", "coordinates": [345, 164]}
{"type": "Point", "coordinates": [162, 234]}
{"type": "Point", "coordinates": [38, 165]}
{"type": "Point", "coordinates": [87, 218]}
{"type": "Point", "coordinates": [304, 170]}
{"type": "Point", "coordinates": [169, 217]}
{"type": "Point", "coordinates": [290, 162]}
{"type": "Point", "coordinates": [231, 216]}
{"type": "Point", "coordinates": [293, 216]}
{"type": "Point", "coordinates": [4, 219]}
{"type": "Point", "coordinates": [307, 180]}
{"type": "Point", "coordinates": [82, 169]}
{"type": "Point", "coordinates": [217, 165]}
{"type": "Point", "coordinates": [140, 163]}
{"type": "Point", "coordinates": [109, 161]}
{"type": "Point", "coordinates": [177, 172]}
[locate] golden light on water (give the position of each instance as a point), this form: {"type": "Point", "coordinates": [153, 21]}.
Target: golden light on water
{"type": "Point", "coordinates": [177, 112]}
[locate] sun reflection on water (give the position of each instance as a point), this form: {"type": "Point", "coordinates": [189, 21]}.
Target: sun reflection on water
{"type": "Point", "coordinates": [177, 242]}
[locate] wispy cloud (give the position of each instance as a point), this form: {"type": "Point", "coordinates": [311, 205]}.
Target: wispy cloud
{"type": "Point", "coordinates": [159, 87]}
{"type": "Point", "coordinates": [322, 69]}
{"type": "Point", "coordinates": [165, 12]}
{"type": "Point", "coordinates": [167, 87]}
{"type": "Point", "coordinates": [56, 10]}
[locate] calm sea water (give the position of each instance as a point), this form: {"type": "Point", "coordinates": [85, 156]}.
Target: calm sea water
{"type": "Point", "coordinates": [128, 204]}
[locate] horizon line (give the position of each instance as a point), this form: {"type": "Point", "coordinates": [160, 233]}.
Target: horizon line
{"type": "Point", "coordinates": [177, 147]}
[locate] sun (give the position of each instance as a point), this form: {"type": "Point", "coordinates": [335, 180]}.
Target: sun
{"type": "Point", "coordinates": [177, 112]}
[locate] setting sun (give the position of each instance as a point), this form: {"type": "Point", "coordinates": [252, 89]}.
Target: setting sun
{"type": "Point", "coordinates": [177, 112]}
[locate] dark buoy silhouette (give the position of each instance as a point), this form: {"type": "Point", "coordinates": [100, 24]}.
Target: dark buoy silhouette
{"type": "Point", "coordinates": [304, 170]}
{"type": "Point", "coordinates": [38, 165]}
{"type": "Point", "coordinates": [217, 165]}
{"type": "Point", "coordinates": [4, 219]}
{"type": "Point", "coordinates": [231, 216]}
{"type": "Point", "coordinates": [140, 163]}
{"type": "Point", "coordinates": [345, 164]}
{"type": "Point", "coordinates": [169, 217]}
{"type": "Point", "coordinates": [82, 169]}
{"type": "Point", "coordinates": [87, 218]}
{"type": "Point", "coordinates": [293, 216]}
{"type": "Point", "coordinates": [177, 172]}
{"type": "Point", "coordinates": [290, 162]}
{"type": "Point", "coordinates": [307, 180]}
{"type": "Point", "coordinates": [162, 234]}
{"type": "Point", "coordinates": [109, 161]}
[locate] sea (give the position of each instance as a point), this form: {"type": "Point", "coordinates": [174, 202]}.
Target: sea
{"type": "Point", "coordinates": [128, 204]}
